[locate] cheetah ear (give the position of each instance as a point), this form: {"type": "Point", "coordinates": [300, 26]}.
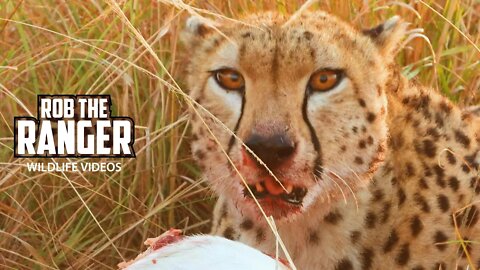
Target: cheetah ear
{"type": "Point", "coordinates": [387, 36]}
{"type": "Point", "coordinates": [198, 27]}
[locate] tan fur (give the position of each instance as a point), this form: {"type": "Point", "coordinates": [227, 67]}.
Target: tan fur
{"type": "Point", "coordinates": [398, 160]}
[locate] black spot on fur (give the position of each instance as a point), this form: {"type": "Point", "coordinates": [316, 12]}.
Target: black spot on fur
{"type": "Point", "coordinates": [475, 184]}
{"type": "Point", "coordinates": [416, 225]}
{"type": "Point", "coordinates": [386, 212]}
{"type": "Point", "coordinates": [333, 217]}
{"type": "Point", "coordinates": [358, 160]}
{"type": "Point", "coordinates": [371, 117]}
{"type": "Point", "coordinates": [429, 148]}
{"type": "Point", "coordinates": [370, 220]}
{"type": "Point", "coordinates": [440, 175]}
{"type": "Point", "coordinates": [434, 133]}
{"type": "Point", "coordinates": [307, 35]}
{"type": "Point", "coordinates": [445, 107]}
{"type": "Point", "coordinates": [453, 183]}
{"type": "Point", "coordinates": [421, 202]}
{"type": "Point", "coordinates": [471, 160]}
{"type": "Point", "coordinates": [423, 103]}
{"type": "Point", "coordinates": [247, 35]}
{"type": "Point", "coordinates": [427, 170]}
{"type": "Point", "coordinates": [440, 238]}
{"type": "Point", "coordinates": [468, 248]}
{"type": "Point", "coordinates": [223, 211]}
{"type": "Point", "coordinates": [461, 138]}
{"type": "Point", "coordinates": [472, 216]}
{"type": "Point", "coordinates": [313, 238]}
{"type": "Point", "coordinates": [410, 170]}
{"type": "Point", "coordinates": [361, 102]}
{"type": "Point", "coordinates": [468, 217]}
{"type": "Point", "coordinates": [378, 195]}
{"type": "Point", "coordinates": [259, 235]}
{"type": "Point", "coordinates": [422, 183]}
{"type": "Point", "coordinates": [344, 264]}
{"type": "Point", "coordinates": [367, 258]}
{"type": "Point", "coordinates": [246, 225]}
{"type": "Point", "coordinates": [394, 179]}
{"type": "Point", "coordinates": [416, 123]}
{"type": "Point", "coordinates": [355, 236]}
{"type": "Point", "coordinates": [439, 120]}
{"type": "Point", "coordinates": [391, 241]}
{"type": "Point", "coordinates": [451, 158]}
{"type": "Point", "coordinates": [403, 255]}
{"type": "Point", "coordinates": [443, 203]}
{"type": "Point", "coordinates": [397, 142]}
{"type": "Point", "coordinates": [229, 233]}
{"type": "Point", "coordinates": [401, 196]}
{"type": "Point", "coordinates": [361, 144]}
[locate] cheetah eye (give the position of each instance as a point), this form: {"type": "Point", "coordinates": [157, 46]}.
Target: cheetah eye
{"type": "Point", "coordinates": [229, 79]}
{"type": "Point", "coordinates": [324, 80]}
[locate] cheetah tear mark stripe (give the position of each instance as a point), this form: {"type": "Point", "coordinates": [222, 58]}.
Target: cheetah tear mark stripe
{"type": "Point", "coordinates": [232, 138]}
{"type": "Point", "coordinates": [317, 168]}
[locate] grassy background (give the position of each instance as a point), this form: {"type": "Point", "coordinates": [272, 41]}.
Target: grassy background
{"type": "Point", "coordinates": [130, 49]}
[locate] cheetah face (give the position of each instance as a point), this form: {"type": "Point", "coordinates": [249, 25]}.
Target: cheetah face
{"type": "Point", "coordinates": [306, 97]}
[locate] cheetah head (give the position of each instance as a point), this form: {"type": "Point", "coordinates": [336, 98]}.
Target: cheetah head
{"type": "Point", "coordinates": [302, 99]}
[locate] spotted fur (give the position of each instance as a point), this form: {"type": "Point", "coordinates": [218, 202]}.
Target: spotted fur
{"type": "Point", "coordinates": [391, 166]}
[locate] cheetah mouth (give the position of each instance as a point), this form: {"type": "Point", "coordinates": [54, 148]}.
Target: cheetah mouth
{"type": "Point", "coordinates": [270, 189]}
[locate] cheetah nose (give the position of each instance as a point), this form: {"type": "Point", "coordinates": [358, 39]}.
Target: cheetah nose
{"type": "Point", "coordinates": [272, 150]}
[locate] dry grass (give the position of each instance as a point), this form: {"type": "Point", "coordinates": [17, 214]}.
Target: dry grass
{"type": "Point", "coordinates": [93, 220]}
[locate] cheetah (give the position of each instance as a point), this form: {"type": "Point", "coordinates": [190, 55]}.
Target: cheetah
{"type": "Point", "coordinates": [308, 120]}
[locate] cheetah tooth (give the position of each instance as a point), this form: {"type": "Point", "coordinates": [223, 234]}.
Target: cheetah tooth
{"type": "Point", "coordinates": [289, 188]}
{"type": "Point", "coordinates": [259, 187]}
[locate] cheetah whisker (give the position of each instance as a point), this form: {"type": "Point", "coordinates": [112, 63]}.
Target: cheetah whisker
{"type": "Point", "coordinates": [345, 183]}
{"type": "Point", "coordinates": [337, 185]}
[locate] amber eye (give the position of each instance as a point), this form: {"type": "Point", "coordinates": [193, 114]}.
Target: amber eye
{"type": "Point", "coordinates": [324, 80]}
{"type": "Point", "coordinates": [229, 79]}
